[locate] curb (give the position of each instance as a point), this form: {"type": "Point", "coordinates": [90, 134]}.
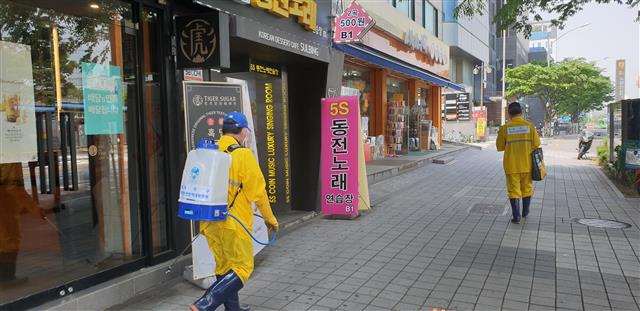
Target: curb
{"type": "Point", "coordinates": [468, 145]}
{"type": "Point", "coordinates": [395, 171]}
{"type": "Point", "coordinates": [292, 225]}
{"type": "Point", "coordinates": [610, 183]}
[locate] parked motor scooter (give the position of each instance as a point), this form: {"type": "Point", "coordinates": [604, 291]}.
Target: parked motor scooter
{"type": "Point", "coordinates": [584, 144]}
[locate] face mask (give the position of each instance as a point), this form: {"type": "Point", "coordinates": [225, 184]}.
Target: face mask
{"type": "Point", "coordinates": [246, 142]}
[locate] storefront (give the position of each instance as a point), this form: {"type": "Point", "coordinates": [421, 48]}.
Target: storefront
{"type": "Point", "coordinates": [92, 127]}
{"type": "Point", "coordinates": [285, 63]}
{"type": "Point", "coordinates": [399, 71]}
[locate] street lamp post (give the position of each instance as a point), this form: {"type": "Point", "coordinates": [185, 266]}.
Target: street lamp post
{"type": "Point", "coordinates": [484, 69]}
{"type": "Point", "coordinates": [555, 43]}
{"type": "Point", "coordinates": [503, 105]}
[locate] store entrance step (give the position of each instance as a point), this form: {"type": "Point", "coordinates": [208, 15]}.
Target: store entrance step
{"type": "Point", "coordinates": [443, 160]}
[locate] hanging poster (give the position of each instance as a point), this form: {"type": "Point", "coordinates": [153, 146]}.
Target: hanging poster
{"type": "Point", "coordinates": [17, 105]}
{"type": "Point", "coordinates": [206, 104]}
{"type": "Point", "coordinates": [480, 116]}
{"type": "Point", "coordinates": [339, 153]}
{"type": "Point", "coordinates": [102, 96]}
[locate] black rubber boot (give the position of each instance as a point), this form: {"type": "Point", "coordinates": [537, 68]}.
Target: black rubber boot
{"type": "Point", "coordinates": [233, 304]}
{"type": "Point", "coordinates": [515, 210]}
{"type": "Point", "coordinates": [8, 263]}
{"type": "Point", "coordinates": [526, 202]}
{"type": "Point", "coordinates": [220, 292]}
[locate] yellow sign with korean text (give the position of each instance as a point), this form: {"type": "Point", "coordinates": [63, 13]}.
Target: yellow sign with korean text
{"type": "Point", "coordinates": [304, 10]}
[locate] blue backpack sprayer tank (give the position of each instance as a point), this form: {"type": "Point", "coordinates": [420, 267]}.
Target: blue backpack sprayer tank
{"type": "Point", "coordinates": [204, 189]}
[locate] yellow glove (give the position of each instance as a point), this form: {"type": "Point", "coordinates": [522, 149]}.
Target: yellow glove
{"type": "Point", "coordinates": [272, 225]}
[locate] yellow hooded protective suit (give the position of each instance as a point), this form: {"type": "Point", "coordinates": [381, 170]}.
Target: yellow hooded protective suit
{"type": "Point", "coordinates": [230, 243]}
{"type": "Point", "coordinates": [518, 138]}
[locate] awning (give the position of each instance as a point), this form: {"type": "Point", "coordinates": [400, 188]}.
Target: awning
{"type": "Point", "coordinates": [380, 59]}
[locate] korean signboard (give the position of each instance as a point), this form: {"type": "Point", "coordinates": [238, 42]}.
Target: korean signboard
{"type": "Point", "coordinates": [462, 100]}
{"type": "Point", "coordinates": [352, 24]}
{"type": "Point", "coordinates": [17, 113]}
{"type": "Point", "coordinates": [305, 11]}
{"type": "Point", "coordinates": [339, 166]}
{"type": "Point", "coordinates": [203, 41]}
{"type": "Point", "coordinates": [457, 107]}
{"type": "Point", "coordinates": [193, 75]}
{"type": "Point", "coordinates": [272, 139]}
{"type": "Point", "coordinates": [102, 96]}
{"type": "Point", "coordinates": [264, 68]}
{"type": "Point", "coordinates": [620, 79]}
{"type": "Point", "coordinates": [206, 104]}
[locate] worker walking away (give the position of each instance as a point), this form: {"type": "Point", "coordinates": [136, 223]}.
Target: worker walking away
{"type": "Point", "coordinates": [518, 138]}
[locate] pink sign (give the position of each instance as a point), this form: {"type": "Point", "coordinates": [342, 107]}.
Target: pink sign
{"type": "Point", "coordinates": [339, 164]}
{"type": "Point", "coordinates": [352, 24]}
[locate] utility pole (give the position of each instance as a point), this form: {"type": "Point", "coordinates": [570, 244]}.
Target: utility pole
{"type": "Point", "coordinates": [503, 105]}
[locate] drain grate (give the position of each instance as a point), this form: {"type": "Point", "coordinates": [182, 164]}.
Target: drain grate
{"type": "Point", "coordinates": [489, 209]}
{"type": "Point", "coordinates": [602, 223]}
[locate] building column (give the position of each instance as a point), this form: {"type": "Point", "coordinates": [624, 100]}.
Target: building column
{"type": "Point", "coordinates": [436, 109]}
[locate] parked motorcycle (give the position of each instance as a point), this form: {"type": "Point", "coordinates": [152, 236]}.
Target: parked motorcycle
{"type": "Point", "coordinates": [584, 144]}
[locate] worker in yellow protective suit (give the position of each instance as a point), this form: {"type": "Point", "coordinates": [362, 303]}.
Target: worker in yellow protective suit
{"type": "Point", "coordinates": [15, 199]}
{"type": "Point", "coordinates": [518, 138]}
{"type": "Point", "coordinates": [231, 244]}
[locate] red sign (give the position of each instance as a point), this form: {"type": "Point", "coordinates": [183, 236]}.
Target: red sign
{"type": "Point", "coordinates": [352, 24]}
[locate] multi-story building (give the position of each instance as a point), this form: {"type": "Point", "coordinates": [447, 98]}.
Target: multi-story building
{"type": "Point", "coordinates": [469, 42]}
{"type": "Point", "coordinates": [516, 53]}
{"type": "Point", "coordinates": [542, 42]}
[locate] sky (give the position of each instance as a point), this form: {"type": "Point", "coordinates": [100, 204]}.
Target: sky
{"type": "Point", "coordinates": [613, 33]}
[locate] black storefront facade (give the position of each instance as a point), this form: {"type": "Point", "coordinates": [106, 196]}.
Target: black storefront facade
{"type": "Point", "coordinates": [109, 193]}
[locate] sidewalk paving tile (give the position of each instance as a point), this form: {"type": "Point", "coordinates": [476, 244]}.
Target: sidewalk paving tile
{"type": "Point", "coordinates": [421, 247]}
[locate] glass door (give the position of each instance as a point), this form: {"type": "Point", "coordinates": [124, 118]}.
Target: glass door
{"type": "Point", "coordinates": [154, 121]}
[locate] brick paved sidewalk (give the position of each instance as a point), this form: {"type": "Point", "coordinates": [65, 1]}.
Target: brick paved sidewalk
{"type": "Point", "coordinates": [440, 236]}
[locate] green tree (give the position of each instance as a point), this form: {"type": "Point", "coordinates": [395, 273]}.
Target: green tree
{"type": "Point", "coordinates": [569, 87]}
{"type": "Point", "coordinates": [517, 13]}
{"type": "Point", "coordinates": [537, 80]}
{"type": "Point", "coordinates": [587, 88]}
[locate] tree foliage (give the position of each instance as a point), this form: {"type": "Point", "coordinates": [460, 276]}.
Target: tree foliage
{"type": "Point", "coordinates": [587, 89]}
{"type": "Point", "coordinates": [517, 13]}
{"type": "Point", "coordinates": [570, 87]}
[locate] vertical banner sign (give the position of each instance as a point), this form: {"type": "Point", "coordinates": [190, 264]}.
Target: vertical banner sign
{"type": "Point", "coordinates": [272, 139]}
{"type": "Point", "coordinates": [620, 79]}
{"type": "Point", "coordinates": [205, 105]}
{"type": "Point", "coordinates": [450, 110]}
{"type": "Point", "coordinates": [480, 116]}
{"type": "Point", "coordinates": [17, 105]}
{"type": "Point", "coordinates": [339, 166]}
{"type": "Point", "coordinates": [352, 24]}
{"type": "Point", "coordinates": [102, 96]}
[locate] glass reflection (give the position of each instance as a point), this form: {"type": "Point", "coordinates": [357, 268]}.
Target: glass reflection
{"type": "Point", "coordinates": [67, 82]}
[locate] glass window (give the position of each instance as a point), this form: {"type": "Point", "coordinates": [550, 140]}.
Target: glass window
{"type": "Point", "coordinates": [68, 85]}
{"type": "Point", "coordinates": [359, 78]}
{"type": "Point", "coordinates": [419, 123]}
{"type": "Point", "coordinates": [430, 17]}
{"type": "Point", "coordinates": [397, 116]}
{"type": "Point", "coordinates": [405, 6]}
